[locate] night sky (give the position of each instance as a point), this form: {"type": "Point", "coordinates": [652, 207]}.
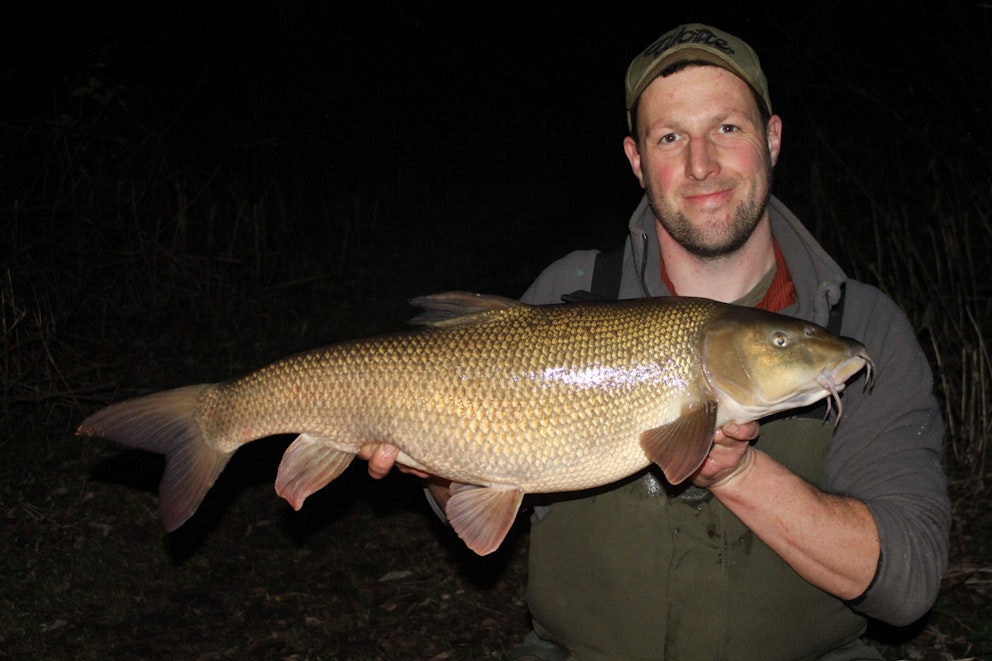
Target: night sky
{"type": "Point", "coordinates": [505, 109]}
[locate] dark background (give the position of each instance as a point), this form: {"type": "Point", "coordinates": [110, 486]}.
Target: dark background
{"type": "Point", "coordinates": [187, 194]}
{"type": "Point", "coordinates": [501, 121]}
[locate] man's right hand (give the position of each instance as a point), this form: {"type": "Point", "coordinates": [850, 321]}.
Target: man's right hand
{"type": "Point", "coordinates": [382, 458]}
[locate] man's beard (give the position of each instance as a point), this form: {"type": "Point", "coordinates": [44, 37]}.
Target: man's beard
{"type": "Point", "coordinates": [697, 242]}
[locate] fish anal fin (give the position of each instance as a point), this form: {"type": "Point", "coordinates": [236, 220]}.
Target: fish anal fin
{"type": "Point", "coordinates": [308, 466]}
{"type": "Point", "coordinates": [681, 446]}
{"type": "Point", "coordinates": [482, 516]}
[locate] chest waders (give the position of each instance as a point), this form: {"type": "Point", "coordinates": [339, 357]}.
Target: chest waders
{"type": "Point", "coordinates": [636, 572]}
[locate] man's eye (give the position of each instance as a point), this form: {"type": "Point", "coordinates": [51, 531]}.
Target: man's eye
{"type": "Point", "coordinates": [729, 128]}
{"type": "Point", "coordinates": [668, 138]}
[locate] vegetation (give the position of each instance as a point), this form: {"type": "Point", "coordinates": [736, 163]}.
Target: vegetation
{"type": "Point", "coordinates": [131, 263]}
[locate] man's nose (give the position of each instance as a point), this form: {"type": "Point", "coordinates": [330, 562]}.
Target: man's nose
{"type": "Point", "coordinates": [701, 160]}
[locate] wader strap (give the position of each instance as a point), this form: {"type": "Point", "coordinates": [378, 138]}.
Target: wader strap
{"type": "Point", "coordinates": [837, 313]}
{"type": "Point", "coordinates": [606, 276]}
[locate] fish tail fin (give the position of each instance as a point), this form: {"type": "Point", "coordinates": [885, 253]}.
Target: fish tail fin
{"type": "Point", "coordinates": [165, 423]}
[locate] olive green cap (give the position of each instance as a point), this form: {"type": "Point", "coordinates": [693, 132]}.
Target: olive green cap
{"type": "Point", "coordinates": [695, 42]}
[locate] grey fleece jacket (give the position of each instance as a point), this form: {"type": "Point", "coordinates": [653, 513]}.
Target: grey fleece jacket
{"type": "Point", "coordinates": [887, 448]}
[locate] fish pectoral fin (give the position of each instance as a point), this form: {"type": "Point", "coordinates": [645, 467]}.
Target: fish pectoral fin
{"type": "Point", "coordinates": [482, 515]}
{"type": "Point", "coordinates": [308, 466]}
{"type": "Point", "coordinates": [680, 447]}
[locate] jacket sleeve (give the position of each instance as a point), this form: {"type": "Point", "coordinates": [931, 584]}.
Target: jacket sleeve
{"type": "Point", "coordinates": [887, 453]}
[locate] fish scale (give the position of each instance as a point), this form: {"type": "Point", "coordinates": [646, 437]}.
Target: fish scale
{"type": "Point", "coordinates": [498, 397]}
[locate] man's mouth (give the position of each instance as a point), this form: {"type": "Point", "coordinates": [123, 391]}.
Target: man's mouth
{"type": "Point", "coordinates": [707, 199]}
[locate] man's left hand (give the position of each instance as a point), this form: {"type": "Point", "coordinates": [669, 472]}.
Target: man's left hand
{"type": "Point", "coordinates": [730, 455]}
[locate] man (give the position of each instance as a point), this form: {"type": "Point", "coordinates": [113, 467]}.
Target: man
{"type": "Point", "coordinates": [794, 532]}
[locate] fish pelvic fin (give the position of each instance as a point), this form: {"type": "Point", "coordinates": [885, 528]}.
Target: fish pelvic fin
{"type": "Point", "coordinates": [458, 308]}
{"type": "Point", "coordinates": [680, 447]}
{"type": "Point", "coordinates": [165, 423]}
{"type": "Point", "coordinates": [308, 466]}
{"type": "Point", "coordinates": [482, 516]}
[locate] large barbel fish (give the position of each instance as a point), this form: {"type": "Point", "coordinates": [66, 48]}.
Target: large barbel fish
{"type": "Point", "coordinates": [500, 397]}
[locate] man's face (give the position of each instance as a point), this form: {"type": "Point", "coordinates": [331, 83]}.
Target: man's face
{"type": "Point", "coordinates": [704, 158]}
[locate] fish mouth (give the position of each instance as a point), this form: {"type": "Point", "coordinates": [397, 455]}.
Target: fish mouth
{"type": "Point", "coordinates": [834, 379]}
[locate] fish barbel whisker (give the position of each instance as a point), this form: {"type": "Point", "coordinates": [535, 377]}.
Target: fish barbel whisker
{"type": "Point", "coordinates": [870, 370]}
{"type": "Point", "coordinates": [829, 383]}
{"type": "Point", "coordinates": [834, 399]}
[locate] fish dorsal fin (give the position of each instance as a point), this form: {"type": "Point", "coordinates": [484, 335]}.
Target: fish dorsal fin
{"type": "Point", "coordinates": [680, 447]}
{"type": "Point", "coordinates": [457, 308]}
{"type": "Point", "coordinates": [308, 466]}
{"type": "Point", "coordinates": [482, 515]}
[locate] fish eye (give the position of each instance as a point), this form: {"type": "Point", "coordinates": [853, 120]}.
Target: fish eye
{"type": "Point", "coordinates": [780, 340]}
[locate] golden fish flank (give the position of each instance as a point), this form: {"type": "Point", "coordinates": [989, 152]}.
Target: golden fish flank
{"type": "Point", "coordinates": [500, 397]}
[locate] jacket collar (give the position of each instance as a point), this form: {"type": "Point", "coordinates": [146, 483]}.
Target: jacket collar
{"type": "Point", "coordinates": [816, 276]}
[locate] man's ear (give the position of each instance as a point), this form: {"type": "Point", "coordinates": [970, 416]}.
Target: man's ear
{"type": "Point", "coordinates": [634, 158]}
{"type": "Point", "coordinates": [774, 134]}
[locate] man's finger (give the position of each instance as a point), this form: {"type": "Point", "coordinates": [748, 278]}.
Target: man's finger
{"type": "Point", "coordinates": [382, 460]}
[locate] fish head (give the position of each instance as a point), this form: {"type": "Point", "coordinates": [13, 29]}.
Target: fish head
{"type": "Point", "coordinates": [759, 362]}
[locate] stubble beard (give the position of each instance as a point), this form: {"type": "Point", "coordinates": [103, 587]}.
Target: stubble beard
{"type": "Point", "coordinates": [714, 245]}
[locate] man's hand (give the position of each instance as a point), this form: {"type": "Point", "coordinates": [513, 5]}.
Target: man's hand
{"type": "Point", "coordinates": [831, 541]}
{"type": "Point", "coordinates": [730, 456]}
{"type": "Point", "coordinates": [382, 458]}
